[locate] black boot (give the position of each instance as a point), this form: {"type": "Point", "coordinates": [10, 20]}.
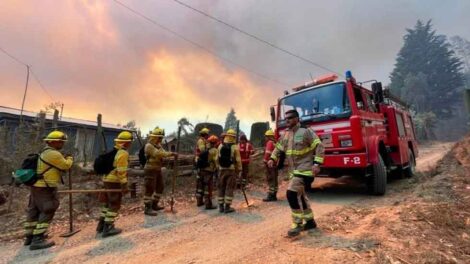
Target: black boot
{"type": "Point", "coordinates": [148, 210]}
{"type": "Point", "coordinates": [270, 198]}
{"type": "Point", "coordinates": [156, 207]}
{"type": "Point", "coordinates": [295, 230]}
{"type": "Point", "coordinates": [221, 208]}
{"type": "Point", "coordinates": [209, 205]}
{"type": "Point", "coordinates": [199, 200]}
{"type": "Point", "coordinates": [110, 230]}
{"type": "Point", "coordinates": [27, 240]}
{"type": "Point", "coordinates": [310, 224]}
{"type": "Point", "coordinates": [99, 227]}
{"type": "Point", "coordinates": [39, 242]}
{"type": "Point", "coordinates": [228, 209]}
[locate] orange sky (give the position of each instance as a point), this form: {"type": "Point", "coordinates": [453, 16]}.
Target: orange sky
{"type": "Point", "coordinates": [97, 57]}
{"type": "Point", "coordinates": [93, 68]}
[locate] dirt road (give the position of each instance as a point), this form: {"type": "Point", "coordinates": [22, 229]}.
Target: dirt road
{"type": "Point", "coordinates": [254, 235]}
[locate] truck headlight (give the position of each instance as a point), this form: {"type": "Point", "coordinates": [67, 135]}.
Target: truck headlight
{"type": "Point", "coordinates": [346, 143]}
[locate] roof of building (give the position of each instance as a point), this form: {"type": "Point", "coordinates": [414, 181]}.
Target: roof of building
{"type": "Point", "coordinates": [17, 112]}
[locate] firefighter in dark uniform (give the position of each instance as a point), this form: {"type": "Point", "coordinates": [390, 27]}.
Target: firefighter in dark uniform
{"type": "Point", "coordinates": [304, 154]}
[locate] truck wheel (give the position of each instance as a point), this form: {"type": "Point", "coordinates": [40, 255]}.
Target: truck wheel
{"type": "Point", "coordinates": [377, 184]}
{"type": "Point", "coordinates": [411, 169]}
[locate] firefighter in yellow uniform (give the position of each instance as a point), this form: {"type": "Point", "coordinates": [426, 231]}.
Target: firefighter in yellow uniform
{"type": "Point", "coordinates": [116, 179]}
{"type": "Point", "coordinates": [202, 145]}
{"type": "Point", "coordinates": [304, 154]}
{"type": "Point", "coordinates": [207, 173]}
{"type": "Point", "coordinates": [230, 166]}
{"type": "Point", "coordinates": [43, 198]}
{"type": "Point", "coordinates": [153, 171]}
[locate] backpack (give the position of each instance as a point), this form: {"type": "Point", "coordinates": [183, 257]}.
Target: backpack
{"type": "Point", "coordinates": [142, 156]}
{"type": "Point", "coordinates": [203, 160]}
{"type": "Point", "coordinates": [104, 163]}
{"type": "Point", "coordinates": [28, 175]}
{"type": "Point", "coordinates": [225, 159]}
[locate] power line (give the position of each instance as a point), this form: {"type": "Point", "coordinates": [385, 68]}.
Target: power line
{"type": "Point", "coordinates": [13, 57]}
{"type": "Point", "coordinates": [40, 85]}
{"type": "Point", "coordinates": [197, 44]}
{"type": "Point", "coordinates": [29, 71]}
{"type": "Point", "coordinates": [257, 38]}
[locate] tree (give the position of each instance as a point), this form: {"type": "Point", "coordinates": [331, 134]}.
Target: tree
{"type": "Point", "coordinates": [426, 52]}
{"type": "Point", "coordinates": [231, 120]}
{"type": "Point", "coordinates": [186, 126]}
{"type": "Point", "coordinates": [425, 123]}
{"type": "Point", "coordinates": [416, 93]}
{"type": "Point", "coordinates": [130, 125]}
{"type": "Point", "coordinates": [461, 48]}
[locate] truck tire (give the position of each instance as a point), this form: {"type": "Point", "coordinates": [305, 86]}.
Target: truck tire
{"type": "Point", "coordinates": [411, 169]}
{"type": "Point", "coordinates": [377, 184]}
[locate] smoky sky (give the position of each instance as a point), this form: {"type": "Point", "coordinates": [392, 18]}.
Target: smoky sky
{"type": "Point", "coordinates": [96, 56]}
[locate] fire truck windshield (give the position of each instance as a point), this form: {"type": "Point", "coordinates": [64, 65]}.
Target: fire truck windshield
{"type": "Point", "coordinates": [322, 103]}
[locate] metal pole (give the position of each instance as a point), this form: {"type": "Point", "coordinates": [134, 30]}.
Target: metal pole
{"type": "Point", "coordinates": [61, 110]}
{"type": "Point", "coordinates": [71, 231]}
{"type": "Point", "coordinates": [175, 170]}
{"type": "Point", "coordinates": [25, 92]}
{"type": "Point", "coordinates": [89, 191]}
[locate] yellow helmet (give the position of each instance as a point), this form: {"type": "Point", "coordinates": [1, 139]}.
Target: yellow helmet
{"type": "Point", "coordinates": [204, 131]}
{"type": "Point", "coordinates": [157, 132]}
{"type": "Point", "coordinates": [56, 136]}
{"type": "Point", "coordinates": [231, 133]}
{"type": "Point", "coordinates": [124, 136]}
{"type": "Point", "coordinates": [269, 133]}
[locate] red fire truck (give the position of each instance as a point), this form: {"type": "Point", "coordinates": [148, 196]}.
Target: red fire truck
{"type": "Point", "coordinates": [366, 132]}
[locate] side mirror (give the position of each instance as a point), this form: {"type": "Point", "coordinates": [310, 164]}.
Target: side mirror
{"type": "Point", "coordinates": [273, 114]}
{"type": "Point", "coordinates": [378, 92]}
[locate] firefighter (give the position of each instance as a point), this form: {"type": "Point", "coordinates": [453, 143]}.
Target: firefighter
{"type": "Point", "coordinates": [116, 179]}
{"type": "Point", "coordinates": [207, 173]}
{"type": "Point", "coordinates": [271, 172]}
{"type": "Point", "coordinates": [202, 145]}
{"type": "Point", "coordinates": [229, 165]}
{"type": "Point", "coordinates": [153, 171]}
{"type": "Point", "coordinates": [304, 153]}
{"type": "Point", "coordinates": [43, 198]}
{"type": "Point", "coordinates": [246, 150]}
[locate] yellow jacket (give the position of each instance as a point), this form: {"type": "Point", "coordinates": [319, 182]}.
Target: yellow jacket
{"type": "Point", "coordinates": [237, 161]}
{"type": "Point", "coordinates": [155, 154]}
{"type": "Point", "coordinates": [213, 160]}
{"type": "Point", "coordinates": [52, 176]}
{"type": "Point", "coordinates": [121, 161]}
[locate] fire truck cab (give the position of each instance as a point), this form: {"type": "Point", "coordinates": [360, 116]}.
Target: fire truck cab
{"type": "Point", "coordinates": [366, 132]}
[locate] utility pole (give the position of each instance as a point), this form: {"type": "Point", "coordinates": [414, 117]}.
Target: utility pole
{"type": "Point", "coordinates": [25, 92]}
{"type": "Point", "coordinates": [61, 110]}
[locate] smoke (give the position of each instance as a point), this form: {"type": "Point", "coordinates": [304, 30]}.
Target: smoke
{"type": "Point", "coordinates": [97, 57]}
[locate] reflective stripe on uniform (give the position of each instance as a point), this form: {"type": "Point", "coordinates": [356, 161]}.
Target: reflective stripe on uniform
{"type": "Point", "coordinates": [296, 217]}
{"type": "Point", "coordinates": [30, 224]}
{"type": "Point", "coordinates": [104, 210]}
{"type": "Point", "coordinates": [110, 216]}
{"type": "Point", "coordinates": [319, 159]}
{"type": "Point", "coordinates": [294, 152]}
{"type": "Point", "coordinates": [303, 172]}
{"type": "Point", "coordinates": [279, 146]}
{"type": "Point", "coordinates": [41, 228]}
{"type": "Point", "coordinates": [308, 215]}
{"type": "Point", "coordinates": [315, 143]}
